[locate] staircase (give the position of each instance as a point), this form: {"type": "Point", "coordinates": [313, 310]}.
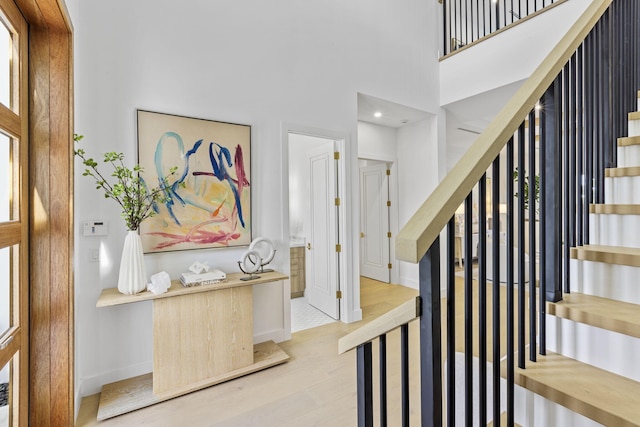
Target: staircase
{"type": "Point", "coordinates": [594, 332]}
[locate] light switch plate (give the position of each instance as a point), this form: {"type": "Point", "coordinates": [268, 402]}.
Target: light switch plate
{"type": "Point", "coordinates": [94, 228]}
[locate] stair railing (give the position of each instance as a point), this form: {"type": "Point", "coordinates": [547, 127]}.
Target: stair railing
{"type": "Point", "coordinates": [551, 143]}
{"type": "Point", "coordinates": [468, 21]}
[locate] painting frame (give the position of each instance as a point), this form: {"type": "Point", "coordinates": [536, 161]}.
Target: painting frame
{"type": "Point", "coordinates": [209, 197]}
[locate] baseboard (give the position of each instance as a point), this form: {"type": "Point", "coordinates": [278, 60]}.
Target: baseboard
{"type": "Point", "coordinates": [276, 335]}
{"type": "Point", "coordinates": [410, 283]}
{"type": "Point", "coordinates": [354, 316]}
{"type": "Point", "coordinates": [93, 385]}
{"type": "Point", "coordinates": [76, 409]}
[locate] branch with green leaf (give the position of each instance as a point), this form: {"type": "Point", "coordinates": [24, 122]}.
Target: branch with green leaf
{"type": "Point", "coordinates": [536, 195]}
{"type": "Point", "coordinates": [129, 190]}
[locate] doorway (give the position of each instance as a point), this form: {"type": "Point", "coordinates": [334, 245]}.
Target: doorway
{"type": "Point", "coordinates": [314, 225]}
{"type": "Point", "coordinates": [375, 226]}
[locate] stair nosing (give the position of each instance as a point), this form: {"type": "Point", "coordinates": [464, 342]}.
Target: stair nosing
{"type": "Point", "coordinates": [583, 308]}
{"type": "Point", "coordinates": [627, 141]}
{"type": "Point", "coordinates": [620, 172]}
{"type": "Point", "coordinates": [618, 255]}
{"type": "Point", "coordinates": [578, 390]}
{"type": "Point", "coordinates": [614, 209]}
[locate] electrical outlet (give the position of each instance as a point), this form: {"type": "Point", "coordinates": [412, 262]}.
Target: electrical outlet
{"type": "Point", "coordinates": [94, 255]}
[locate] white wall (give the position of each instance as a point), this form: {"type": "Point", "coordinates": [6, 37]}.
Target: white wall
{"type": "Point", "coordinates": [507, 57]}
{"type": "Point", "coordinates": [419, 159]}
{"type": "Point", "coordinates": [377, 142]}
{"type": "Point", "coordinates": [250, 62]}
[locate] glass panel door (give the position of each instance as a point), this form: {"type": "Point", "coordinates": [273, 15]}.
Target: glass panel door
{"type": "Point", "coordinates": [6, 394]}
{"type": "Point", "coordinates": [14, 221]}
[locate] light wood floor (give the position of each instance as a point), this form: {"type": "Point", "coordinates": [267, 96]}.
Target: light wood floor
{"type": "Point", "coordinates": [315, 388]}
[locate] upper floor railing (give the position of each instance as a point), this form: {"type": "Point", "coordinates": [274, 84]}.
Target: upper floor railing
{"type": "Point", "coordinates": [466, 21]}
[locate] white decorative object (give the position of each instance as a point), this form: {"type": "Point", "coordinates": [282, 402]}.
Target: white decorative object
{"type": "Point", "coordinates": [133, 275]}
{"type": "Point", "coordinates": [160, 283]}
{"type": "Point", "coordinates": [250, 263]}
{"type": "Point", "coordinates": [207, 278]}
{"type": "Point", "coordinates": [267, 251]}
{"type": "Point", "coordinates": [199, 267]}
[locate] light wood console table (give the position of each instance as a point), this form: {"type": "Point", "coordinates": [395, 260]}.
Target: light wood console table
{"type": "Point", "coordinates": [202, 335]}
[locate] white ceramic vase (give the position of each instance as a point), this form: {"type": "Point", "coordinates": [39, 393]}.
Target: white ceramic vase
{"type": "Point", "coordinates": [133, 275]}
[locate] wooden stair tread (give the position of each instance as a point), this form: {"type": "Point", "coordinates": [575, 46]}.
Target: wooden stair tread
{"type": "Point", "coordinates": [617, 209]}
{"type": "Point", "coordinates": [618, 172]}
{"type": "Point", "coordinates": [607, 398]}
{"type": "Point", "coordinates": [628, 141]}
{"type": "Point", "coordinates": [613, 315]}
{"type": "Point", "coordinates": [634, 115]}
{"type": "Point", "coordinates": [610, 254]}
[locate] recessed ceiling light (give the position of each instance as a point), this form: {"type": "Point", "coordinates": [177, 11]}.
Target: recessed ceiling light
{"type": "Point", "coordinates": [377, 114]}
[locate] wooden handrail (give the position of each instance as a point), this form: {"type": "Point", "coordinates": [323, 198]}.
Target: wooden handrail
{"type": "Point", "coordinates": [425, 225]}
{"type": "Point", "coordinates": [389, 321]}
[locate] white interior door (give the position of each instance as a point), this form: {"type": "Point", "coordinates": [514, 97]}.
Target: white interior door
{"type": "Point", "coordinates": [322, 258]}
{"type": "Point", "coordinates": [374, 222]}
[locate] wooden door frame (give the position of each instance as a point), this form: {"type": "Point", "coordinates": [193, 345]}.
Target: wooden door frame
{"type": "Point", "coordinates": [51, 359]}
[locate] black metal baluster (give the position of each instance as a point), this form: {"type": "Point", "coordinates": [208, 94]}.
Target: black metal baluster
{"type": "Point", "coordinates": [454, 22]}
{"type": "Point", "coordinates": [468, 313]}
{"type": "Point", "coordinates": [404, 368]}
{"type": "Point", "coordinates": [460, 15]}
{"type": "Point", "coordinates": [545, 135]}
{"type": "Point", "coordinates": [382, 341]}
{"type": "Point", "coordinates": [532, 236]}
{"type": "Point", "coordinates": [477, 19]}
{"type": "Point", "coordinates": [566, 131]}
{"type": "Point", "coordinates": [445, 27]}
{"type": "Point", "coordinates": [482, 298]}
{"type": "Point", "coordinates": [589, 135]}
{"type": "Point", "coordinates": [579, 145]}
{"type": "Point", "coordinates": [521, 247]}
{"type": "Point", "coordinates": [365, 385]}
{"type": "Point", "coordinates": [451, 324]}
{"type": "Point", "coordinates": [510, 284]}
{"type": "Point", "coordinates": [466, 22]}
{"type": "Point", "coordinates": [430, 337]}
{"type": "Point", "coordinates": [495, 225]}
{"type": "Point", "coordinates": [574, 179]}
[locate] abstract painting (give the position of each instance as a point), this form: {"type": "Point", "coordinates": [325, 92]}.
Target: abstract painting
{"type": "Point", "coordinates": [208, 199]}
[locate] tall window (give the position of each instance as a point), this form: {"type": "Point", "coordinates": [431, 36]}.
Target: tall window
{"type": "Point", "coordinates": [14, 224]}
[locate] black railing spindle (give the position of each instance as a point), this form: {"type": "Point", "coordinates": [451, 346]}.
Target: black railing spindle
{"type": "Point", "coordinates": [468, 312]}
{"type": "Point", "coordinates": [383, 379]}
{"type": "Point", "coordinates": [365, 385]}
{"type": "Point", "coordinates": [451, 324]}
{"type": "Point", "coordinates": [404, 368]}
{"type": "Point", "coordinates": [532, 205]}
{"type": "Point", "coordinates": [510, 290]}
{"type": "Point", "coordinates": [521, 247]}
{"type": "Point", "coordinates": [482, 297]}
{"type": "Point", "coordinates": [495, 235]}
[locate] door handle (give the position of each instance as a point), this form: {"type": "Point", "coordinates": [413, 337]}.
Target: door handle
{"type": "Point", "coordinates": [361, 235]}
{"type": "Point", "coordinates": [309, 246]}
